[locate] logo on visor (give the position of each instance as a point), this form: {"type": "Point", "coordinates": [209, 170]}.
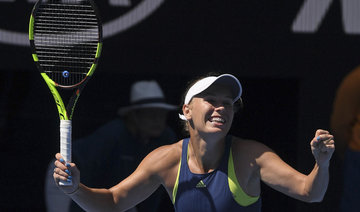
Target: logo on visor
{"type": "Point", "coordinates": [117, 16]}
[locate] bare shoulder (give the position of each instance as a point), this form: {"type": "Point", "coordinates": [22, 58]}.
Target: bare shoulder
{"type": "Point", "coordinates": [163, 159]}
{"type": "Point", "coordinates": [251, 150]}
{"type": "Point", "coordinates": [248, 145]}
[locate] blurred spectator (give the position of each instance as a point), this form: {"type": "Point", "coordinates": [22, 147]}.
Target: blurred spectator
{"type": "Point", "coordinates": [345, 124]}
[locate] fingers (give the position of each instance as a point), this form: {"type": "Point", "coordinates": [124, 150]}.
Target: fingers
{"type": "Point", "coordinates": [62, 170]}
{"type": "Point", "coordinates": [61, 175]}
{"type": "Point", "coordinates": [322, 135]}
{"type": "Point", "coordinates": [323, 140]}
{"type": "Point", "coordinates": [320, 132]}
{"type": "Point", "coordinates": [58, 156]}
{"type": "Point", "coordinates": [329, 144]}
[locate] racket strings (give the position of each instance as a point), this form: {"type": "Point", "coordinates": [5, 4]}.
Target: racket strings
{"type": "Point", "coordinates": [74, 79]}
{"type": "Point", "coordinates": [66, 36]}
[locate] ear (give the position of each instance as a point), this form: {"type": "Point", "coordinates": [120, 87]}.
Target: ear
{"type": "Point", "coordinates": [186, 111]}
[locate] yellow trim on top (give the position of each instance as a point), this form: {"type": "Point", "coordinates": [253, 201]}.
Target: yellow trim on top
{"type": "Point", "coordinates": [178, 175]}
{"type": "Point", "coordinates": [176, 184]}
{"type": "Point", "coordinates": [238, 193]}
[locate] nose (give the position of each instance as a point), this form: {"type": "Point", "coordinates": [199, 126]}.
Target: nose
{"type": "Point", "coordinates": [219, 107]}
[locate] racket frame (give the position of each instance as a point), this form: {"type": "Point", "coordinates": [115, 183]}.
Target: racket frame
{"type": "Point", "coordinates": [65, 113]}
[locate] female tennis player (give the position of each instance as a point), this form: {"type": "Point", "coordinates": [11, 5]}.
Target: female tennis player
{"type": "Point", "coordinates": [211, 170]}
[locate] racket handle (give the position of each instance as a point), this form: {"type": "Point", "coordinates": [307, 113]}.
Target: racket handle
{"type": "Point", "coordinates": [65, 144]}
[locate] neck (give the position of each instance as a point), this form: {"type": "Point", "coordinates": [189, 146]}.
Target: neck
{"type": "Point", "coordinates": [205, 154]}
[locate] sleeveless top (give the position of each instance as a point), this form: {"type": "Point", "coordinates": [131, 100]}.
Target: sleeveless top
{"type": "Point", "coordinates": [218, 190]}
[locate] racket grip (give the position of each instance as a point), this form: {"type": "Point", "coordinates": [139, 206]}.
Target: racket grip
{"type": "Point", "coordinates": [65, 144]}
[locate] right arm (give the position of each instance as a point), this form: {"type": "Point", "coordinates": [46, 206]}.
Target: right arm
{"type": "Point", "coordinates": [138, 186]}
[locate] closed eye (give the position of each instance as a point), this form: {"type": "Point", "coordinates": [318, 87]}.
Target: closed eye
{"type": "Point", "coordinates": [211, 101]}
{"type": "Point", "coordinates": [215, 102]}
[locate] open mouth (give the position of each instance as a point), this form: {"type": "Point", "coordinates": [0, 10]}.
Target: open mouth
{"type": "Point", "coordinates": [217, 120]}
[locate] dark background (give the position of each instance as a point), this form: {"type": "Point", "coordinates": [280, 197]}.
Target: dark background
{"type": "Point", "coordinates": [289, 81]}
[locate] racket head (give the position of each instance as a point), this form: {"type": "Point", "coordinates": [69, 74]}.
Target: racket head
{"type": "Point", "coordinates": [66, 40]}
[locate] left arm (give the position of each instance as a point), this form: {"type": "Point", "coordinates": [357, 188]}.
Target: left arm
{"type": "Point", "coordinates": [309, 188]}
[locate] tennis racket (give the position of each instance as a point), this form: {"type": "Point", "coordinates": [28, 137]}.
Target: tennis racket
{"type": "Point", "coordinates": [66, 41]}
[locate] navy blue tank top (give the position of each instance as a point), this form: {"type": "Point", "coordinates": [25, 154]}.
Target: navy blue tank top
{"type": "Point", "coordinates": [214, 191]}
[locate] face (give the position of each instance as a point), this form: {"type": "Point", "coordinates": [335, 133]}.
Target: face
{"type": "Point", "coordinates": [211, 111]}
{"type": "Point", "coordinates": [150, 122]}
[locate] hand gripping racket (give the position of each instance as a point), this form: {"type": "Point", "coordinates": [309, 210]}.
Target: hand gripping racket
{"type": "Point", "coordinates": [66, 40]}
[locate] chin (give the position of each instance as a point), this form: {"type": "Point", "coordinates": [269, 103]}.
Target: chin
{"type": "Point", "coordinates": [218, 127]}
{"type": "Point", "coordinates": [218, 130]}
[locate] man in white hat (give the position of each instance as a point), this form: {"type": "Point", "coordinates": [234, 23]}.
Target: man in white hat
{"type": "Point", "coordinates": [146, 115]}
{"type": "Point", "coordinates": [113, 151]}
